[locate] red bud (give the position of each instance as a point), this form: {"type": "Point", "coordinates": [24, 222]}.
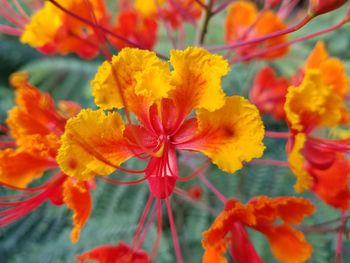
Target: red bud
{"type": "Point", "coordinates": [319, 7]}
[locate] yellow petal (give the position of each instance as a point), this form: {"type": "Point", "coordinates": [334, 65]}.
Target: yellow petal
{"type": "Point", "coordinates": [43, 26]}
{"type": "Point", "coordinates": [197, 79]}
{"type": "Point", "coordinates": [296, 163]}
{"type": "Point", "coordinates": [135, 71]}
{"type": "Point", "coordinates": [93, 144]}
{"type": "Point", "coordinates": [313, 104]}
{"type": "Point", "coordinates": [230, 135]}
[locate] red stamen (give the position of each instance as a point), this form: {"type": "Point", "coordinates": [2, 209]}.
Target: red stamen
{"type": "Point", "coordinates": [339, 247]}
{"type": "Point", "coordinates": [274, 134]}
{"type": "Point", "coordinates": [114, 181]}
{"type": "Point", "coordinates": [173, 232]}
{"type": "Point", "coordinates": [136, 239]}
{"type": "Point", "coordinates": [159, 230]}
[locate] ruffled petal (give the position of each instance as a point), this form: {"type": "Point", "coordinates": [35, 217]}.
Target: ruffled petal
{"type": "Point", "coordinates": [93, 144]}
{"type": "Point", "coordinates": [332, 69]}
{"type": "Point", "coordinates": [326, 109]}
{"type": "Point", "coordinates": [77, 197]}
{"type": "Point", "coordinates": [296, 164]}
{"type": "Point", "coordinates": [230, 135]}
{"type": "Point", "coordinates": [120, 253]}
{"type": "Point", "coordinates": [197, 79]}
{"type": "Point", "coordinates": [132, 72]}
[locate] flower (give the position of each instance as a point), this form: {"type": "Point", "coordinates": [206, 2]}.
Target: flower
{"type": "Point", "coordinates": [319, 7]}
{"type": "Point", "coordinates": [226, 129]}
{"type": "Point", "coordinates": [243, 22]}
{"type": "Point", "coordinates": [261, 213]}
{"type": "Point", "coordinates": [319, 164]}
{"type": "Point", "coordinates": [120, 253]}
{"type": "Point", "coordinates": [268, 92]}
{"type": "Point", "coordinates": [53, 31]}
{"type": "Point", "coordinates": [173, 12]}
{"type": "Point", "coordinates": [36, 125]}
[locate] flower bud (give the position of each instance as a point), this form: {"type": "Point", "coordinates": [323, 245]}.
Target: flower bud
{"type": "Point", "coordinates": [319, 7]}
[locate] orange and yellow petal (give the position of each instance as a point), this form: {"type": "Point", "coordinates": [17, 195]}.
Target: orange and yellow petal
{"type": "Point", "coordinates": [313, 104]}
{"type": "Point", "coordinates": [43, 26]}
{"type": "Point", "coordinates": [215, 254]}
{"type": "Point", "coordinates": [120, 253]}
{"type": "Point", "coordinates": [34, 112]}
{"type": "Point", "coordinates": [93, 144]}
{"type": "Point", "coordinates": [148, 7]}
{"type": "Point", "coordinates": [135, 71]}
{"type": "Point", "coordinates": [77, 197]}
{"type": "Point", "coordinates": [197, 79]}
{"type": "Point", "coordinates": [230, 135]}
{"type": "Point", "coordinates": [19, 168]}
{"type": "Point", "coordinates": [332, 69]}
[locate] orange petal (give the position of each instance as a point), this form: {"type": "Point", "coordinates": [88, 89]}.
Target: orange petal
{"type": "Point", "coordinates": [287, 244]}
{"type": "Point", "coordinates": [18, 168]}
{"type": "Point", "coordinates": [215, 254]}
{"type": "Point", "coordinates": [35, 111]}
{"type": "Point", "coordinates": [120, 253]}
{"type": "Point", "coordinates": [230, 135]}
{"type": "Point", "coordinates": [93, 144]}
{"type": "Point", "coordinates": [77, 197]}
{"type": "Point", "coordinates": [197, 79]}
{"type": "Point", "coordinates": [318, 55]}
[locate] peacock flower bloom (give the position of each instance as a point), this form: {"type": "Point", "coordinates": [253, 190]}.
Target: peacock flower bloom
{"type": "Point", "coordinates": [318, 163]}
{"type": "Point", "coordinates": [268, 93]}
{"type": "Point", "coordinates": [53, 31]}
{"type": "Point", "coordinates": [244, 22]}
{"type": "Point", "coordinates": [162, 101]}
{"type": "Point", "coordinates": [135, 27]}
{"type": "Point", "coordinates": [121, 253]}
{"type": "Point", "coordinates": [35, 127]}
{"type": "Point", "coordinates": [272, 217]}
{"type": "Point", "coordinates": [173, 12]}
{"type": "Point", "coordinates": [166, 111]}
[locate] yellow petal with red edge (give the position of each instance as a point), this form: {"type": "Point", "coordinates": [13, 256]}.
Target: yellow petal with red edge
{"type": "Point", "coordinates": [77, 197]}
{"type": "Point", "coordinates": [296, 164]}
{"type": "Point", "coordinates": [230, 135]}
{"type": "Point", "coordinates": [197, 79]}
{"type": "Point", "coordinates": [19, 168]}
{"type": "Point", "coordinates": [135, 71]}
{"type": "Point", "coordinates": [288, 245]}
{"type": "Point", "coordinates": [93, 144]}
{"type": "Point", "coordinates": [43, 26]}
{"type": "Point", "coordinates": [313, 104]}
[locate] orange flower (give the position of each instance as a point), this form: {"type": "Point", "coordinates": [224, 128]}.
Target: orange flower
{"type": "Point", "coordinates": [268, 93]}
{"type": "Point", "coordinates": [120, 253]}
{"type": "Point", "coordinates": [36, 125]}
{"type": "Point", "coordinates": [243, 22]}
{"type": "Point", "coordinates": [54, 31]}
{"type": "Point", "coordinates": [261, 213]}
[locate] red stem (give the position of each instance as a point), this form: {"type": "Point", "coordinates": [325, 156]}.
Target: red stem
{"type": "Point", "coordinates": [294, 41]}
{"type": "Point", "coordinates": [261, 38]}
{"type": "Point", "coordinates": [212, 188]}
{"type": "Point", "coordinates": [274, 134]}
